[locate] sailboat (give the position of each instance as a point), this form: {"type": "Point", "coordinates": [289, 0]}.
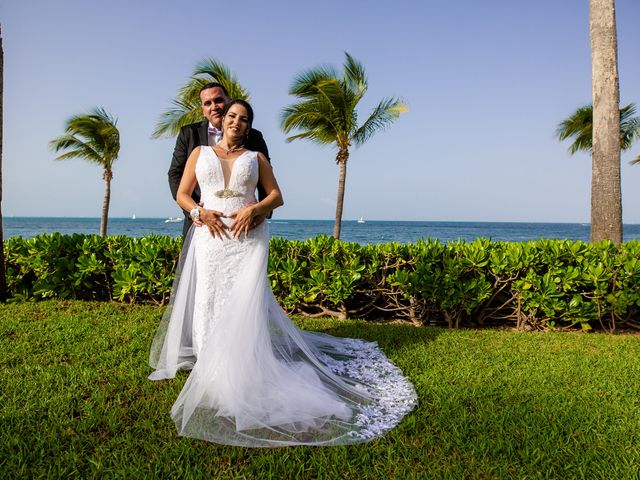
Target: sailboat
{"type": "Point", "coordinates": [133, 217]}
{"type": "Point", "coordinates": [361, 220]}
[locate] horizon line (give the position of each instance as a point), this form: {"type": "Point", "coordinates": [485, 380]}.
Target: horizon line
{"type": "Point", "coordinates": [311, 220]}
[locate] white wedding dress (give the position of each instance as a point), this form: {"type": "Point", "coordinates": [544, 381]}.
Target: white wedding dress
{"type": "Point", "coordinates": [257, 380]}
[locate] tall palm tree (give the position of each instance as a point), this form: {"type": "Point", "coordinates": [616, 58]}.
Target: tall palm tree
{"type": "Point", "coordinates": [93, 137]}
{"type": "Point", "coordinates": [579, 126]}
{"type": "Point", "coordinates": [606, 195]}
{"type": "Point", "coordinates": [3, 276]}
{"type": "Point", "coordinates": [186, 106]}
{"type": "Point", "coordinates": [326, 114]}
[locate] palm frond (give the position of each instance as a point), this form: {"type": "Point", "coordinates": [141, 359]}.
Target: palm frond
{"type": "Point", "coordinates": [172, 120]}
{"type": "Point", "coordinates": [578, 126]}
{"type": "Point", "coordinates": [186, 107]}
{"type": "Point", "coordinates": [635, 161]}
{"type": "Point", "coordinates": [305, 85]}
{"type": "Point", "coordinates": [210, 70]}
{"type": "Point", "coordinates": [189, 94]}
{"type": "Point", "coordinates": [629, 126]}
{"type": "Point", "coordinates": [75, 148]}
{"type": "Point", "coordinates": [338, 103]}
{"type": "Point", "coordinates": [84, 153]}
{"type": "Point", "coordinates": [383, 115]}
{"type": "Point", "coordinates": [355, 77]}
{"type": "Point", "coordinates": [101, 115]}
{"type": "Point", "coordinates": [313, 136]}
{"type": "Point", "coordinates": [303, 116]}
{"type": "Point", "coordinates": [328, 112]}
{"type": "Point", "coordinates": [311, 117]}
{"type": "Point", "coordinates": [93, 137]}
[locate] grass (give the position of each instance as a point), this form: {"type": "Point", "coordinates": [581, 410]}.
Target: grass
{"type": "Point", "coordinates": [75, 403]}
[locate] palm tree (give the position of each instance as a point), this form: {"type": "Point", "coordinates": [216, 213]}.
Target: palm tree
{"type": "Point", "coordinates": [186, 106]}
{"type": "Point", "coordinates": [327, 115]}
{"type": "Point", "coordinates": [3, 276]}
{"type": "Point", "coordinates": [606, 195]}
{"type": "Point", "coordinates": [579, 126]}
{"type": "Point", "coordinates": [95, 138]}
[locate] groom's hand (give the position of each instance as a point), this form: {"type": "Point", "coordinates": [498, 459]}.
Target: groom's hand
{"type": "Point", "coordinates": [211, 218]}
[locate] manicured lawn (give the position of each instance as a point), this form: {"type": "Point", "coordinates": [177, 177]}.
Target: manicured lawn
{"type": "Point", "coordinates": [75, 403]}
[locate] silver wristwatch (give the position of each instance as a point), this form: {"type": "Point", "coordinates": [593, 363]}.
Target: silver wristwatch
{"type": "Point", "coordinates": [195, 213]}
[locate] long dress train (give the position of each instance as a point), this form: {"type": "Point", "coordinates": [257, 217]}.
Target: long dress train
{"type": "Point", "coordinates": [257, 380]}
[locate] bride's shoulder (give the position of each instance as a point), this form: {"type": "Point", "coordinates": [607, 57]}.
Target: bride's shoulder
{"type": "Point", "coordinates": [258, 156]}
{"type": "Point", "coordinates": [262, 161]}
{"type": "Point", "coordinates": [198, 149]}
{"type": "Point", "coordinates": [253, 154]}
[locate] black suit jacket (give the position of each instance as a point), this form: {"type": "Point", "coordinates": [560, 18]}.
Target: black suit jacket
{"type": "Point", "coordinates": [195, 135]}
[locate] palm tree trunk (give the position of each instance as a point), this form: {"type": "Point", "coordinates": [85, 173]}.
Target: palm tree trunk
{"type": "Point", "coordinates": [3, 277]}
{"type": "Point", "coordinates": [108, 175]}
{"type": "Point", "coordinates": [606, 196]}
{"type": "Point", "coordinates": [341, 159]}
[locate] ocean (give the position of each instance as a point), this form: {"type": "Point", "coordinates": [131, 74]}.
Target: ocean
{"type": "Point", "coordinates": [369, 232]}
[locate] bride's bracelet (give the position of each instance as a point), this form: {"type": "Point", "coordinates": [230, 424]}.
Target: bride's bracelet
{"type": "Point", "coordinates": [195, 213]}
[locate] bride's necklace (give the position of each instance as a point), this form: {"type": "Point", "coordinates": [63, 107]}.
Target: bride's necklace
{"type": "Point", "coordinates": [232, 149]}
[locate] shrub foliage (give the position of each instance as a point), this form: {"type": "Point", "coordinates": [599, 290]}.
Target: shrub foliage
{"type": "Point", "coordinates": [538, 284]}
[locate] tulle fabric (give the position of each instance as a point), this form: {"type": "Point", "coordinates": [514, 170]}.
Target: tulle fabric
{"type": "Point", "coordinates": [256, 379]}
{"type": "Point", "coordinates": [172, 347]}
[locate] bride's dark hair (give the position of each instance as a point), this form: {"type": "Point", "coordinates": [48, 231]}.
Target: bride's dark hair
{"type": "Point", "coordinates": [245, 105]}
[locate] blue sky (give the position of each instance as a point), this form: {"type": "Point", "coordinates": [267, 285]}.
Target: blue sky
{"type": "Point", "coordinates": [486, 82]}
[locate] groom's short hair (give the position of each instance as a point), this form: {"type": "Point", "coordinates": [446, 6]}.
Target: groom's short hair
{"type": "Point", "coordinates": [209, 85]}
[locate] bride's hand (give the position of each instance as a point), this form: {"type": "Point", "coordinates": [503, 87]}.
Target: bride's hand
{"type": "Point", "coordinates": [257, 220]}
{"type": "Point", "coordinates": [211, 218]}
{"type": "Point", "coordinates": [198, 223]}
{"type": "Point", "coordinates": [243, 221]}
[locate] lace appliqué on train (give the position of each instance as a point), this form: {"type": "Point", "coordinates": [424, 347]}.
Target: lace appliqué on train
{"type": "Point", "coordinates": [393, 396]}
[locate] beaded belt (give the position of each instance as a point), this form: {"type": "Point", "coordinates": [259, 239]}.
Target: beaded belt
{"type": "Point", "coordinates": [227, 193]}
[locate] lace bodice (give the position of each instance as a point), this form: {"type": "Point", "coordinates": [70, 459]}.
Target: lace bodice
{"type": "Point", "coordinates": [243, 180]}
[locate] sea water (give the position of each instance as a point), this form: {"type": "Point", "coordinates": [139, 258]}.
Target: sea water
{"type": "Point", "coordinates": [371, 231]}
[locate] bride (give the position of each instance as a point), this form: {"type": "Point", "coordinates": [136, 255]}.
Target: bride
{"type": "Point", "coordinates": [256, 379]}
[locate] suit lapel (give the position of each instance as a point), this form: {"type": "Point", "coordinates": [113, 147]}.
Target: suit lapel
{"type": "Point", "coordinates": [203, 135]}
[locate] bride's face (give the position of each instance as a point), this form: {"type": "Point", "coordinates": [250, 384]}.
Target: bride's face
{"type": "Point", "coordinates": [236, 122]}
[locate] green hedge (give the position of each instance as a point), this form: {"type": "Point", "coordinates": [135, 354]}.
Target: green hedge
{"type": "Point", "coordinates": [540, 284]}
{"type": "Point", "coordinates": [90, 267]}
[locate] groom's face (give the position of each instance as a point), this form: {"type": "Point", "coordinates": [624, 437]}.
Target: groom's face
{"type": "Point", "coordinates": [213, 102]}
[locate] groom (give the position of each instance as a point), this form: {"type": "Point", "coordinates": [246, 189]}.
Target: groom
{"type": "Point", "coordinates": [213, 98]}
